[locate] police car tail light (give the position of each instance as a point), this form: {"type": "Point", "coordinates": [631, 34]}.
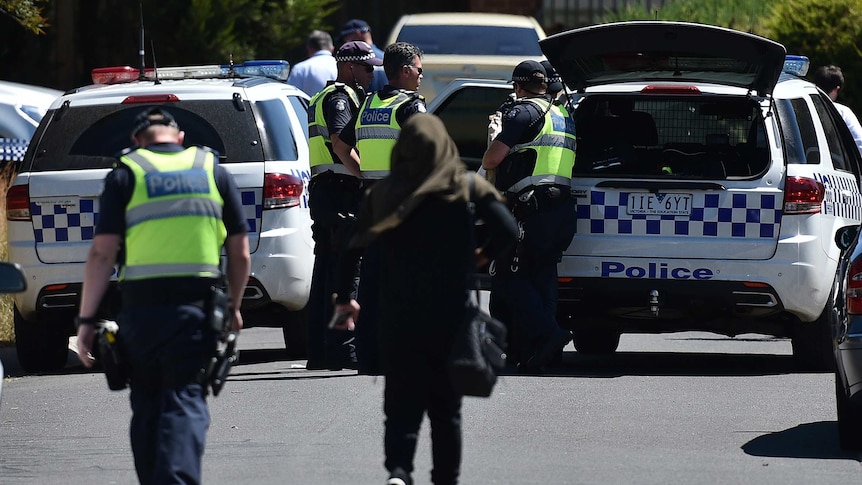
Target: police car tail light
{"type": "Point", "coordinates": [281, 190]}
{"type": "Point", "coordinates": [803, 195]}
{"type": "Point", "coordinates": [854, 287]}
{"type": "Point", "coordinates": [18, 203]}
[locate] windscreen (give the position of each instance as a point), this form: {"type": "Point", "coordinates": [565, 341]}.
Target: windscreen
{"type": "Point", "coordinates": [472, 40]}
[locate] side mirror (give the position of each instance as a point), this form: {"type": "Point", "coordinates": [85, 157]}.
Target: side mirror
{"type": "Point", "coordinates": [11, 278]}
{"type": "Point", "coordinates": [845, 236]}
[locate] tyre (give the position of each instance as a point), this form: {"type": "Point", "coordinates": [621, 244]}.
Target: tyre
{"type": "Point", "coordinates": [812, 341]}
{"type": "Point", "coordinates": [295, 334]}
{"type": "Point", "coordinates": [596, 340]}
{"type": "Point", "coordinates": [42, 346]}
{"type": "Point", "coordinates": [849, 419]}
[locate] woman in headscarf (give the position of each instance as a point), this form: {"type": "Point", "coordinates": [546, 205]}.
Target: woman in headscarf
{"type": "Point", "coordinates": [419, 216]}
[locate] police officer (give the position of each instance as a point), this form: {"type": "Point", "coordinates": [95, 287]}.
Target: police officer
{"type": "Point", "coordinates": [171, 209]}
{"type": "Point", "coordinates": [533, 157]}
{"type": "Point", "coordinates": [370, 138]}
{"type": "Point", "coordinates": [334, 194]}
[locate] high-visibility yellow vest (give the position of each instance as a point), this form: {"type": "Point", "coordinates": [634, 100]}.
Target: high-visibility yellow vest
{"type": "Point", "coordinates": [174, 218]}
{"type": "Point", "coordinates": [319, 143]}
{"type": "Point", "coordinates": [554, 146]}
{"type": "Point", "coordinates": [377, 131]}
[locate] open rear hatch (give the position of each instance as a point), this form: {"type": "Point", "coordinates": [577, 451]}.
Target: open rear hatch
{"type": "Point", "coordinates": [664, 51]}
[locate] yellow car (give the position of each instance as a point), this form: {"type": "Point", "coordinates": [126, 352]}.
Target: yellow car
{"type": "Point", "coordinates": [468, 45]}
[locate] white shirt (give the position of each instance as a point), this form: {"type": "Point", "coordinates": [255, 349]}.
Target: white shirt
{"type": "Point", "coordinates": [311, 74]}
{"type": "Point", "coordinates": [852, 123]}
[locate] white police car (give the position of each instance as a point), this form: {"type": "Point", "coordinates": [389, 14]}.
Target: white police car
{"type": "Point", "coordinates": [709, 186]}
{"type": "Point", "coordinates": [257, 124]}
{"type": "Point", "coordinates": [21, 108]}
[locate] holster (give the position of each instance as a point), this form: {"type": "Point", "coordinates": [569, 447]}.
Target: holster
{"type": "Point", "coordinates": [216, 310]}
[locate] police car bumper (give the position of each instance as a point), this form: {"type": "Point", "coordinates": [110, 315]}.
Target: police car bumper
{"type": "Point", "coordinates": [282, 265]}
{"type": "Point", "coordinates": [719, 296]}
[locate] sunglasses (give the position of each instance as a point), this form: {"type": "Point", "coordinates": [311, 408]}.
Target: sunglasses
{"type": "Point", "coordinates": [418, 69]}
{"type": "Point", "coordinates": [368, 69]}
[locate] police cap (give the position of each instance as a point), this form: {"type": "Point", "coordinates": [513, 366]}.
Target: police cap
{"type": "Point", "coordinates": [555, 82]}
{"type": "Point", "coordinates": [529, 72]}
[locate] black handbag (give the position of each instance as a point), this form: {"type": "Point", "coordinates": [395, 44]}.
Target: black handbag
{"type": "Point", "coordinates": [478, 352]}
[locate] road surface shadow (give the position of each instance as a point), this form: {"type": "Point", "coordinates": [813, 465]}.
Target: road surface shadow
{"type": "Point", "coordinates": [808, 440]}
{"type": "Point", "coordinates": [619, 364]}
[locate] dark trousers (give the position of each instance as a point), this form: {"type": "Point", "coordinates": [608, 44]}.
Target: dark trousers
{"type": "Point", "coordinates": [168, 433]}
{"type": "Point", "coordinates": [165, 347]}
{"type": "Point", "coordinates": [524, 284]}
{"type": "Point", "coordinates": [421, 384]}
{"type": "Point", "coordinates": [367, 338]}
{"type": "Point", "coordinates": [332, 200]}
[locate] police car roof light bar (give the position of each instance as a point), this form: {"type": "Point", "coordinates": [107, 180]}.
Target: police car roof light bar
{"type": "Point", "coordinates": [274, 69]}
{"type": "Point", "coordinates": [796, 65]}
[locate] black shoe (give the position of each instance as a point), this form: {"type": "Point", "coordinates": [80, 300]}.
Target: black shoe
{"type": "Point", "coordinates": [317, 364]}
{"type": "Point", "coordinates": [549, 349]}
{"type": "Point", "coordinates": [399, 477]}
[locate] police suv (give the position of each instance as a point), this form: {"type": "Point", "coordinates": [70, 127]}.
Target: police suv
{"type": "Point", "coordinates": [709, 183]}
{"type": "Point", "coordinates": [255, 121]}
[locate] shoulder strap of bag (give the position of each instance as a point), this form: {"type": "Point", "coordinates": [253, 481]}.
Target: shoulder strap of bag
{"type": "Point", "coordinates": [471, 230]}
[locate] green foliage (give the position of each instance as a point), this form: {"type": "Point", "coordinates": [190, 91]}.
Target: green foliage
{"type": "Point", "coordinates": [828, 32]}
{"type": "Point", "coordinates": [743, 15]}
{"type": "Point", "coordinates": [28, 13]}
{"type": "Point", "coordinates": [209, 31]}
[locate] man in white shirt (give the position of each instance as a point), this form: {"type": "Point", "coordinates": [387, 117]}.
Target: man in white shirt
{"type": "Point", "coordinates": [312, 74]}
{"type": "Point", "coordinates": [830, 79]}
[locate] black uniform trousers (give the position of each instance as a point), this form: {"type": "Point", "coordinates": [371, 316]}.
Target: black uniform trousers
{"type": "Point", "coordinates": [165, 347]}
{"type": "Point", "coordinates": [524, 285]}
{"type": "Point", "coordinates": [333, 202]}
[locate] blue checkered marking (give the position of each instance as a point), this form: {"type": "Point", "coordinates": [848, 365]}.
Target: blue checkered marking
{"type": "Point", "coordinates": [56, 223]}
{"type": "Point", "coordinates": [844, 200]}
{"type": "Point", "coordinates": [750, 215]}
{"type": "Point", "coordinates": [13, 149]}
{"type": "Point", "coordinates": [252, 208]}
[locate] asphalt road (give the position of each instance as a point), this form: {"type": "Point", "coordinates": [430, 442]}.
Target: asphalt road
{"type": "Point", "coordinates": [666, 409]}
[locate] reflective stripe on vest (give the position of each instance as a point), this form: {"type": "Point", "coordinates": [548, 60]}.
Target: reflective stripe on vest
{"type": "Point", "coordinates": [376, 133]}
{"type": "Point", "coordinates": [554, 146]}
{"type": "Point", "coordinates": [174, 217]}
{"type": "Point", "coordinates": [319, 143]}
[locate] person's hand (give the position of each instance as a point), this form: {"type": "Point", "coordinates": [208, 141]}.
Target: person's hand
{"type": "Point", "coordinates": [495, 126]}
{"type": "Point", "coordinates": [344, 316]}
{"type": "Point", "coordinates": [481, 259]}
{"type": "Point", "coordinates": [236, 321]}
{"type": "Point", "coordinates": [86, 336]}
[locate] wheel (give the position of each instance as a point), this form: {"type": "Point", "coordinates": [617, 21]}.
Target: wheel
{"type": "Point", "coordinates": [849, 419]}
{"type": "Point", "coordinates": [295, 334]}
{"type": "Point", "coordinates": [596, 340]}
{"type": "Point", "coordinates": [42, 346]}
{"type": "Point", "coordinates": [812, 341]}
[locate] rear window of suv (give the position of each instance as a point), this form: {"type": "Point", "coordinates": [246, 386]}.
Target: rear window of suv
{"type": "Point", "coordinates": [700, 137]}
{"type": "Point", "coordinates": [90, 137]}
{"type": "Point", "coordinates": [472, 40]}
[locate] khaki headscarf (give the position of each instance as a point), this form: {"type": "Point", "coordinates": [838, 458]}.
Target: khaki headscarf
{"type": "Point", "coordinates": [425, 162]}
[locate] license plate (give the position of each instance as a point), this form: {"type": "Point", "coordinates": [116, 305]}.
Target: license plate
{"type": "Point", "coordinates": [659, 204]}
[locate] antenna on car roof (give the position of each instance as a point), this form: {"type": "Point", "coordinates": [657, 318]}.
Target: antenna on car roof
{"type": "Point", "coordinates": [155, 66]}
{"type": "Point", "coordinates": [141, 75]}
